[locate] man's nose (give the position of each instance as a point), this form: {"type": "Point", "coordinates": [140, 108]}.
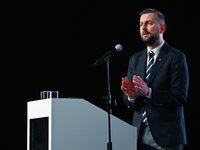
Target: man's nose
{"type": "Point", "coordinates": [144, 27]}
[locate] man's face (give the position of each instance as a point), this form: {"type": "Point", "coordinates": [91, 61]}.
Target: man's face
{"type": "Point", "coordinates": [149, 28]}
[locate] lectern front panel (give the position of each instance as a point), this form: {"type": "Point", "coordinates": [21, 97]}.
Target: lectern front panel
{"type": "Point", "coordinates": [75, 124]}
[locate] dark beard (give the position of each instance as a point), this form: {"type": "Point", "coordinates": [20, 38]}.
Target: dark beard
{"type": "Point", "coordinates": [150, 41]}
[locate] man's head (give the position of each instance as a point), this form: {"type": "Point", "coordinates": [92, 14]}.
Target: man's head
{"type": "Point", "coordinates": [152, 27]}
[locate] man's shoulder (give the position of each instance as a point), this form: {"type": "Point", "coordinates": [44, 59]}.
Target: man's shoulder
{"type": "Point", "coordinates": [171, 50]}
{"type": "Point", "coordinates": [174, 54]}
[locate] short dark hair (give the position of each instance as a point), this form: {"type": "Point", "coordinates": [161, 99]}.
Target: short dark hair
{"type": "Point", "coordinates": [160, 16]}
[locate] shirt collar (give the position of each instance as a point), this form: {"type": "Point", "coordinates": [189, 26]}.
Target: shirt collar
{"type": "Point", "coordinates": [156, 50]}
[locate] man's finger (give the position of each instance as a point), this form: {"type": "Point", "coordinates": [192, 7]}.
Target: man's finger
{"type": "Point", "coordinates": [138, 78]}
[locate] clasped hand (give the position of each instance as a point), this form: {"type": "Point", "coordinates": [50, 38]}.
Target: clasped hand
{"type": "Point", "coordinates": [131, 89]}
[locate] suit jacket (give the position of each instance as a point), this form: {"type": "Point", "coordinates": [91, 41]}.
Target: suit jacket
{"type": "Point", "coordinates": [169, 81]}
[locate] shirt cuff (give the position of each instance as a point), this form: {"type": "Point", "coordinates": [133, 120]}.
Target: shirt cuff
{"type": "Point", "coordinates": [150, 92]}
{"type": "Point", "coordinates": [132, 100]}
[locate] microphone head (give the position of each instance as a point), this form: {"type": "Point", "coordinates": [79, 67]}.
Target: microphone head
{"type": "Point", "coordinates": [118, 47]}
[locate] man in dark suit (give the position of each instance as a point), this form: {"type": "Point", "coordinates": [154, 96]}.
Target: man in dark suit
{"type": "Point", "coordinates": [156, 87]}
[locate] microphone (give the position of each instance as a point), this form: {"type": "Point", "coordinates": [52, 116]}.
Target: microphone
{"type": "Point", "coordinates": [107, 55]}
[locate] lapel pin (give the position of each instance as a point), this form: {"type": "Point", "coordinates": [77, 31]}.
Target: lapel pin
{"type": "Point", "coordinates": [159, 59]}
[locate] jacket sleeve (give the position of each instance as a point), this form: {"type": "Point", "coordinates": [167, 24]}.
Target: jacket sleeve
{"type": "Point", "coordinates": [137, 102]}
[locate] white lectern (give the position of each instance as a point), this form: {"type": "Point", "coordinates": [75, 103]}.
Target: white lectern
{"type": "Point", "coordinates": [75, 124]}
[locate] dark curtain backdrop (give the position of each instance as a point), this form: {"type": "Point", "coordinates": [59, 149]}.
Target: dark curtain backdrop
{"type": "Point", "coordinates": [49, 45]}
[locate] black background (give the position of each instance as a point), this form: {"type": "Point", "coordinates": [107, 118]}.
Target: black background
{"type": "Point", "coordinates": [48, 45]}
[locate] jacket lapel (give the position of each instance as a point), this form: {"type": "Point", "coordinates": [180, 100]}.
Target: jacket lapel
{"type": "Point", "coordinates": [159, 62]}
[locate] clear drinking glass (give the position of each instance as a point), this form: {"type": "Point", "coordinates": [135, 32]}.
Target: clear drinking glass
{"type": "Point", "coordinates": [48, 94]}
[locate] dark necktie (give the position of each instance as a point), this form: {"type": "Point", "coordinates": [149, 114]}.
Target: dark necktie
{"type": "Point", "coordinates": [148, 72]}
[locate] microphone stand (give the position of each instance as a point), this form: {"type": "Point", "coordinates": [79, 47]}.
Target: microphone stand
{"type": "Point", "coordinates": [109, 104]}
{"type": "Point", "coordinates": [108, 101]}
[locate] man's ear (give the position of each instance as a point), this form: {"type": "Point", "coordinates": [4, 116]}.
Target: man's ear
{"type": "Point", "coordinates": [162, 28]}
